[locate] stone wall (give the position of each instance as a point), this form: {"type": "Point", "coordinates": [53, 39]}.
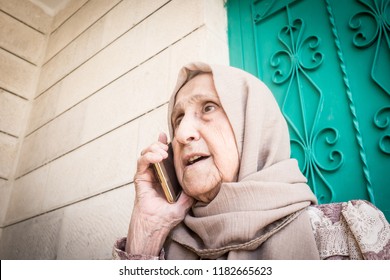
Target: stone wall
{"type": "Point", "coordinates": [97, 78]}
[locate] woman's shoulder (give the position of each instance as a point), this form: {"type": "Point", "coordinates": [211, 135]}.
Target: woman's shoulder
{"type": "Point", "coordinates": [355, 230]}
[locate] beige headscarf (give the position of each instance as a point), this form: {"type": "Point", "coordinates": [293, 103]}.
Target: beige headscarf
{"type": "Point", "coordinates": [261, 216]}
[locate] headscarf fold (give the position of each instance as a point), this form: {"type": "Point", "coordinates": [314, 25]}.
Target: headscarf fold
{"type": "Point", "coordinates": [269, 197]}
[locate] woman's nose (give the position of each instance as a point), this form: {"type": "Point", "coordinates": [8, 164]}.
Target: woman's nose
{"type": "Point", "coordinates": [187, 131]}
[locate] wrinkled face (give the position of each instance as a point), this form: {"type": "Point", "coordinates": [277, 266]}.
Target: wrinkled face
{"type": "Point", "coordinates": [204, 146]}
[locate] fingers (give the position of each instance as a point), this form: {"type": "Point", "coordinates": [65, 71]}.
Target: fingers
{"type": "Point", "coordinates": [163, 138]}
{"type": "Point", "coordinates": [153, 154]}
{"type": "Point", "coordinates": [161, 144]}
{"type": "Point", "coordinates": [148, 158]}
{"type": "Point", "coordinates": [157, 147]}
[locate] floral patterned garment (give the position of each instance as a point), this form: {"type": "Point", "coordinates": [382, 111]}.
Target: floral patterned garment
{"type": "Point", "coordinates": [348, 230]}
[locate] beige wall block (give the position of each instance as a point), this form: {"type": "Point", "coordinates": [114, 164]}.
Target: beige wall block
{"type": "Point", "coordinates": [74, 26]}
{"type": "Point", "coordinates": [142, 42]}
{"type": "Point", "coordinates": [8, 150]}
{"type": "Point", "coordinates": [32, 150]}
{"type": "Point", "coordinates": [91, 227]}
{"type": "Point", "coordinates": [150, 126]}
{"type": "Point", "coordinates": [5, 193]}
{"type": "Point", "coordinates": [21, 39]}
{"type": "Point", "coordinates": [213, 49]}
{"type": "Point", "coordinates": [12, 113]}
{"type": "Point", "coordinates": [36, 238]}
{"type": "Point", "coordinates": [72, 6]}
{"type": "Point", "coordinates": [112, 25]}
{"type": "Point", "coordinates": [103, 164]}
{"type": "Point", "coordinates": [52, 141]}
{"type": "Point", "coordinates": [135, 93]}
{"type": "Point", "coordinates": [28, 193]}
{"type": "Point", "coordinates": [125, 99]}
{"type": "Point", "coordinates": [201, 45]}
{"type": "Point", "coordinates": [189, 52]}
{"type": "Point", "coordinates": [44, 109]}
{"type": "Point", "coordinates": [128, 14]}
{"type": "Point", "coordinates": [17, 75]}
{"type": "Point", "coordinates": [139, 90]}
{"type": "Point", "coordinates": [29, 13]}
{"type": "Point", "coordinates": [216, 18]}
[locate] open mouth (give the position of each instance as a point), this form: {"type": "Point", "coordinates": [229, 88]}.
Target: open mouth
{"type": "Point", "coordinates": [196, 159]}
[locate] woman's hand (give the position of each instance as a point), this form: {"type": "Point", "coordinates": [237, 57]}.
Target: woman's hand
{"type": "Point", "coordinates": [153, 217]}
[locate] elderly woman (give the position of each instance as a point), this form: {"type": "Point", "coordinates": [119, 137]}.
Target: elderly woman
{"type": "Point", "coordinates": [243, 196]}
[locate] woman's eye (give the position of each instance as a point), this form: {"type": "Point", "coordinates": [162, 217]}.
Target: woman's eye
{"type": "Point", "coordinates": [209, 108]}
{"type": "Point", "coordinates": [178, 121]}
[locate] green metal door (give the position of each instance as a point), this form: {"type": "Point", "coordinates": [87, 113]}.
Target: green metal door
{"type": "Point", "coordinates": [328, 64]}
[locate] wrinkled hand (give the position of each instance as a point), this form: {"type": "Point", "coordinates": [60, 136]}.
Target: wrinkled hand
{"type": "Point", "coordinates": [153, 217]}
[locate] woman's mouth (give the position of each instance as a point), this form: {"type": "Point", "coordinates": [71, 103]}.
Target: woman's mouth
{"type": "Point", "coordinates": [194, 159]}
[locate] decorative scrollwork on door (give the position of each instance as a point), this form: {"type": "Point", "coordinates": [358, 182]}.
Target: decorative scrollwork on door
{"type": "Point", "coordinates": [372, 27]}
{"type": "Point", "coordinates": [382, 121]}
{"type": "Point", "coordinates": [293, 64]}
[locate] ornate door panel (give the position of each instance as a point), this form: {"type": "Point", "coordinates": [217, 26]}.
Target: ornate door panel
{"type": "Point", "coordinates": [328, 64]}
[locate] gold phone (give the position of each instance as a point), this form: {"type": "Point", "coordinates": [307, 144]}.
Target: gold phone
{"type": "Point", "coordinates": [166, 175]}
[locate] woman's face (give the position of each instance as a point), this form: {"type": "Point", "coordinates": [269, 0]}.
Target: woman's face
{"type": "Point", "coordinates": [204, 146]}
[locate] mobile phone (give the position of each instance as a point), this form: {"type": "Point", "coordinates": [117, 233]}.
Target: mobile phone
{"type": "Point", "coordinates": [165, 172]}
